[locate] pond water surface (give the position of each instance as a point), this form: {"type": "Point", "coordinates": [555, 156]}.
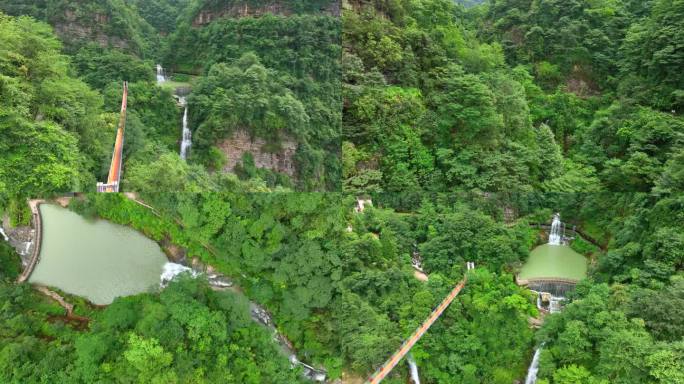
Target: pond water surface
{"type": "Point", "coordinates": [559, 261]}
{"type": "Point", "coordinates": [95, 259]}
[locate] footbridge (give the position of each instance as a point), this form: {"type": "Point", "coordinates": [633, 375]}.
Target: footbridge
{"type": "Point", "coordinates": [114, 178]}
{"type": "Point", "coordinates": [406, 346]}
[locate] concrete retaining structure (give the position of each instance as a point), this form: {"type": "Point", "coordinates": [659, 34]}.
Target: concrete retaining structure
{"type": "Point", "coordinates": [37, 239]}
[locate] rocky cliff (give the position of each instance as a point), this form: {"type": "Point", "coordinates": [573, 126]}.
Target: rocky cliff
{"type": "Point", "coordinates": [240, 143]}
{"type": "Point", "coordinates": [276, 7]}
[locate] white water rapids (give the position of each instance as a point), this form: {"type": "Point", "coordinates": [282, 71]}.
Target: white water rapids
{"type": "Point", "coordinates": [172, 270]}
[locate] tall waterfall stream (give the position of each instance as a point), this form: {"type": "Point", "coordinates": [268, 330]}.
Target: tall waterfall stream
{"type": "Point", "coordinates": [555, 302]}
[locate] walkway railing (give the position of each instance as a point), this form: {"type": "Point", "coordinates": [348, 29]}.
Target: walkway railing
{"type": "Point", "coordinates": [114, 177]}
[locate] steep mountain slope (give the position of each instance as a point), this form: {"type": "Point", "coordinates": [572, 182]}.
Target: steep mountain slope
{"type": "Point", "coordinates": [109, 23]}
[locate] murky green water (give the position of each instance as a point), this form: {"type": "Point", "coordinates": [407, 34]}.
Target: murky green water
{"type": "Point", "coordinates": [554, 261]}
{"type": "Point", "coordinates": [95, 259]}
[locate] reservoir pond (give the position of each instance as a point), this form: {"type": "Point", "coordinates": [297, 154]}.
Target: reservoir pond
{"type": "Point", "coordinates": [95, 259]}
{"type": "Point", "coordinates": [554, 261]}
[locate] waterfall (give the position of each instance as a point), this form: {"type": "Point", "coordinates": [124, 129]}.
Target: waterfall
{"type": "Point", "coordinates": [186, 143]}
{"type": "Point", "coordinates": [172, 270]}
{"type": "Point", "coordinates": [555, 237]}
{"type": "Point", "coordinates": [555, 304]}
{"type": "Point", "coordinates": [413, 368]}
{"type": "Point", "coordinates": [534, 368]}
{"type": "Point", "coordinates": [160, 74]}
{"type": "Point", "coordinates": [4, 235]}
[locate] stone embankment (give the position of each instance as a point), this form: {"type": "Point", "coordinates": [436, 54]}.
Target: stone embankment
{"type": "Point", "coordinates": [38, 231]}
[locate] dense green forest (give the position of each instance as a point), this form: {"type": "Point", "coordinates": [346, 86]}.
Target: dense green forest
{"type": "Point", "coordinates": [64, 85]}
{"type": "Point", "coordinates": [346, 298]}
{"type": "Point", "coordinates": [467, 123]}
{"type": "Point", "coordinates": [513, 95]}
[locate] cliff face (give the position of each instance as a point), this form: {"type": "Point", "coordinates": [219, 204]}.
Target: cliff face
{"type": "Point", "coordinates": [70, 28]}
{"type": "Point", "coordinates": [275, 7]}
{"type": "Point", "coordinates": [108, 23]}
{"type": "Point", "coordinates": [240, 143]}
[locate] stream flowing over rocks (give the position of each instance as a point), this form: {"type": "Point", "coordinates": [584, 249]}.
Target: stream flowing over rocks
{"type": "Point", "coordinates": [20, 238]}
{"type": "Point", "coordinates": [258, 313]}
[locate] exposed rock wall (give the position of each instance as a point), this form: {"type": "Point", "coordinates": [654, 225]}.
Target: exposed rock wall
{"type": "Point", "coordinates": [71, 31]}
{"type": "Point", "coordinates": [245, 10]}
{"type": "Point", "coordinates": [240, 143]}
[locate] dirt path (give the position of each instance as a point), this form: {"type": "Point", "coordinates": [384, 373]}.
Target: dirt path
{"type": "Point", "coordinates": [67, 306]}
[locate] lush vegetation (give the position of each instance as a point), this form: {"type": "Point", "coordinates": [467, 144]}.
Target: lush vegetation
{"type": "Point", "coordinates": [515, 108]}
{"type": "Point", "coordinates": [272, 76]}
{"type": "Point", "coordinates": [340, 284]}
{"type": "Point", "coordinates": [186, 333]}
{"type": "Point", "coordinates": [621, 325]}
{"type": "Point", "coordinates": [341, 296]}
{"type": "Point", "coordinates": [105, 42]}
{"type": "Point", "coordinates": [512, 95]}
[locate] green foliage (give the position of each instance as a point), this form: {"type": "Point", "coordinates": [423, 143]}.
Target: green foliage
{"type": "Point", "coordinates": [186, 333]}
{"type": "Point", "coordinates": [113, 23]}
{"type": "Point", "coordinates": [456, 116]}
{"type": "Point", "coordinates": [245, 96]}
{"type": "Point", "coordinates": [594, 342]}
{"type": "Point", "coordinates": [599, 74]}
{"type": "Point", "coordinates": [46, 117]}
{"type": "Point", "coordinates": [10, 263]}
{"type": "Point", "coordinates": [650, 59]}
{"type": "Point", "coordinates": [276, 77]}
{"type": "Point", "coordinates": [101, 66]}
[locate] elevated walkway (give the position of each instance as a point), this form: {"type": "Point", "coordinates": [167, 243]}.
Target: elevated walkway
{"type": "Point", "coordinates": [114, 177]}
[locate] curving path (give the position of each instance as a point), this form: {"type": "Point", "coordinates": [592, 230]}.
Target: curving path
{"type": "Point", "coordinates": [37, 239]}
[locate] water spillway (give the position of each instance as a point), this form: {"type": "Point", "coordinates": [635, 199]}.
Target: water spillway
{"type": "Point", "coordinates": [95, 259]}
{"type": "Point", "coordinates": [186, 141]}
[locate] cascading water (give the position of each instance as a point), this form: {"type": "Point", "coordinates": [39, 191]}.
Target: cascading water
{"type": "Point", "coordinates": [555, 304]}
{"type": "Point", "coordinates": [172, 270]}
{"type": "Point", "coordinates": [555, 237]}
{"type": "Point", "coordinates": [413, 368]}
{"type": "Point", "coordinates": [186, 143]}
{"type": "Point", "coordinates": [534, 368]}
{"type": "Point", "coordinates": [160, 74]}
{"type": "Point", "coordinates": [4, 235]}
